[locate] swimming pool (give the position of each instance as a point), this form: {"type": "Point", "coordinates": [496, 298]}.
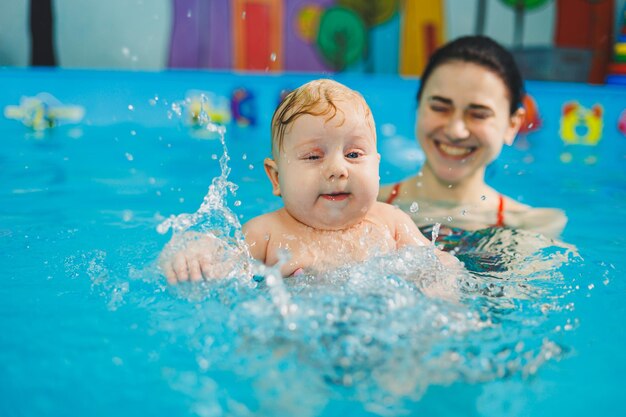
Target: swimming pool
{"type": "Point", "coordinates": [89, 328]}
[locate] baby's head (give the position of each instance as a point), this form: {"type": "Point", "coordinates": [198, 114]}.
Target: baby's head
{"type": "Point", "coordinates": [325, 163]}
{"type": "Point", "coordinates": [318, 98]}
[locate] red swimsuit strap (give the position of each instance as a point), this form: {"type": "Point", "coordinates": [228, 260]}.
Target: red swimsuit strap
{"type": "Point", "coordinates": [500, 218]}
{"type": "Point", "coordinates": [394, 193]}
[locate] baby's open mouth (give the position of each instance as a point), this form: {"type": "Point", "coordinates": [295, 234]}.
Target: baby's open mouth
{"type": "Point", "coordinates": [336, 196]}
{"type": "Point", "coordinates": [454, 151]}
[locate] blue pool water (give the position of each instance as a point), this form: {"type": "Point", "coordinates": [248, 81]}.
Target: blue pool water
{"type": "Point", "coordinates": [88, 326]}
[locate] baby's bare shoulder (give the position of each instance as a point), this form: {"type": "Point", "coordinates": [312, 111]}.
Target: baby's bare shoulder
{"type": "Point", "coordinates": [261, 224]}
{"type": "Point", "coordinates": [387, 211]}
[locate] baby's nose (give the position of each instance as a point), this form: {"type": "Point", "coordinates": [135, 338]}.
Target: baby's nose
{"type": "Point", "coordinates": [336, 168]}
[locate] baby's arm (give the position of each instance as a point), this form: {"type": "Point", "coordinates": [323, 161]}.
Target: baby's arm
{"type": "Point", "coordinates": [406, 232]}
{"type": "Point", "coordinates": [257, 235]}
{"type": "Point", "coordinates": [193, 256]}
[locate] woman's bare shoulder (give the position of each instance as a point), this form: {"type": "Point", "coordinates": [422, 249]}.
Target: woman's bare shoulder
{"type": "Point", "coordinates": [400, 188]}
{"type": "Point", "coordinates": [545, 220]}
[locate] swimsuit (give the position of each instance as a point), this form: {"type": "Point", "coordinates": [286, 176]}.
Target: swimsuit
{"type": "Point", "coordinates": [499, 215]}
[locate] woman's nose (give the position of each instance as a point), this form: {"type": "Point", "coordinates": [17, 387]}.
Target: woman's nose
{"type": "Point", "coordinates": [456, 129]}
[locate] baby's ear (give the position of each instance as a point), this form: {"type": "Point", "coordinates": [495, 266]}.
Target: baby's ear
{"type": "Point", "coordinates": [271, 169]}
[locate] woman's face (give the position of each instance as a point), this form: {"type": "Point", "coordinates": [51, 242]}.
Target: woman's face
{"type": "Point", "coordinates": [463, 120]}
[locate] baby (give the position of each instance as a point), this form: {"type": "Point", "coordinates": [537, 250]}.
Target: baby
{"type": "Point", "coordinates": [325, 166]}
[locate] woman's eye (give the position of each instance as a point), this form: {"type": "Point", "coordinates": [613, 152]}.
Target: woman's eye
{"type": "Point", "coordinates": [353, 155]}
{"type": "Point", "coordinates": [479, 115]}
{"type": "Point", "coordinates": [439, 109]}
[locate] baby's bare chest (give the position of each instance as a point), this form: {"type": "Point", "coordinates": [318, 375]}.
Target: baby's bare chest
{"type": "Point", "coordinates": [322, 250]}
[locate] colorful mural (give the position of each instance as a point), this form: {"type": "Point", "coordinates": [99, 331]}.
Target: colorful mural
{"type": "Point", "coordinates": [422, 32]}
{"type": "Point", "coordinates": [257, 35]}
{"type": "Point", "coordinates": [292, 35]}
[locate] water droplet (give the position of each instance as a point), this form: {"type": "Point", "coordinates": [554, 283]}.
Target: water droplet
{"type": "Point", "coordinates": [464, 212]}
{"type": "Point", "coordinates": [182, 199]}
{"type": "Point", "coordinates": [189, 13]}
{"type": "Point", "coordinates": [483, 197]}
{"type": "Point", "coordinates": [243, 15]}
{"type": "Point", "coordinates": [131, 107]}
{"type": "Point", "coordinates": [237, 203]}
{"type": "Point", "coordinates": [414, 207]}
{"type": "Point", "coordinates": [250, 167]}
{"type": "Point", "coordinates": [273, 57]}
{"type": "Point", "coordinates": [133, 132]}
{"type": "Point", "coordinates": [127, 215]}
{"type": "Point", "coordinates": [449, 218]}
{"type": "Point", "coordinates": [214, 157]}
{"type": "Point", "coordinates": [125, 51]}
{"type": "Point", "coordinates": [129, 156]}
{"type": "Point", "coordinates": [591, 286]}
{"type": "Point", "coordinates": [244, 156]}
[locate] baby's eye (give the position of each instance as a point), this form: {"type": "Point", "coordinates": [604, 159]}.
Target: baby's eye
{"type": "Point", "coordinates": [312, 157]}
{"type": "Point", "coordinates": [353, 155]}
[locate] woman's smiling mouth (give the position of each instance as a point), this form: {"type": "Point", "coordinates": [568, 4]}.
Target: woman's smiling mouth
{"type": "Point", "coordinates": [456, 152]}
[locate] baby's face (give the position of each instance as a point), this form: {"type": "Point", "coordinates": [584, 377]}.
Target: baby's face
{"type": "Point", "coordinates": [328, 170]}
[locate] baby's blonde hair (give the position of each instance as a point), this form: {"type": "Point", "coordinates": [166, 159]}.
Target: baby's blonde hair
{"type": "Point", "coordinates": [316, 98]}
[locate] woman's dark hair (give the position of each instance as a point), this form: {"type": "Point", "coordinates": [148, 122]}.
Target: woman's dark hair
{"type": "Point", "coordinates": [483, 51]}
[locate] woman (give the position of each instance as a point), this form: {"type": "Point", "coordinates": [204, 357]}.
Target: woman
{"type": "Point", "coordinates": [469, 106]}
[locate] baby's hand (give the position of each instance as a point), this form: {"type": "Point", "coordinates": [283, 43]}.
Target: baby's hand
{"type": "Point", "coordinates": [193, 256]}
{"type": "Point", "coordinates": [448, 260]}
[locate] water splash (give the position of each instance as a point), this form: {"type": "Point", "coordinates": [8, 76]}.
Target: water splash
{"type": "Point", "coordinates": [370, 333]}
{"type": "Point", "coordinates": [213, 215]}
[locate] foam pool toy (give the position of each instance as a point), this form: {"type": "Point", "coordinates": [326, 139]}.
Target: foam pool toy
{"type": "Point", "coordinates": [621, 123]}
{"type": "Point", "coordinates": [203, 107]}
{"type": "Point", "coordinates": [532, 119]}
{"type": "Point", "coordinates": [43, 111]}
{"type": "Point", "coordinates": [581, 126]}
{"type": "Point", "coordinates": [242, 105]}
